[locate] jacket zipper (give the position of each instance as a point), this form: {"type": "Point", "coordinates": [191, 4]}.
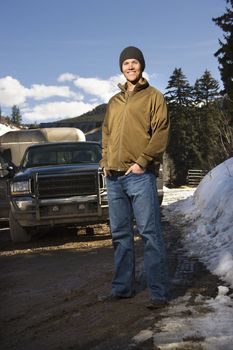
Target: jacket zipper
{"type": "Point", "coordinates": [121, 130]}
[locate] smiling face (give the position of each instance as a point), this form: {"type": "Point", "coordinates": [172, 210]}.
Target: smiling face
{"type": "Point", "coordinates": [132, 70]}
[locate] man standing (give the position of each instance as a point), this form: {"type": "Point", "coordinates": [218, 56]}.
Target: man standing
{"type": "Point", "coordinates": [135, 134]}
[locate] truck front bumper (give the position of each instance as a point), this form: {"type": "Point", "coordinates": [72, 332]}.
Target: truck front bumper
{"type": "Point", "coordinates": [30, 212]}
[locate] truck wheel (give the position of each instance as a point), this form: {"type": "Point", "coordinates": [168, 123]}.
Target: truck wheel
{"type": "Point", "coordinates": [17, 232]}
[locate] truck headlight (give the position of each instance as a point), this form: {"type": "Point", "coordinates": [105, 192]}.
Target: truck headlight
{"type": "Point", "coordinates": [21, 187]}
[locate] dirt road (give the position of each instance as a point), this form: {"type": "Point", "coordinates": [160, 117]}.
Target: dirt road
{"type": "Point", "coordinates": [49, 292]}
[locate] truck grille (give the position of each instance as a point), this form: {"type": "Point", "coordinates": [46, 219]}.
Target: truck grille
{"type": "Point", "coordinates": [66, 185]}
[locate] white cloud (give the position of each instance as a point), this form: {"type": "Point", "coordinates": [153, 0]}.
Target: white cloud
{"type": "Point", "coordinates": [12, 92]}
{"type": "Point", "coordinates": [103, 89]}
{"type": "Point", "coordinates": [66, 77]}
{"type": "Point", "coordinates": [40, 92]}
{"type": "Point", "coordinates": [55, 111]}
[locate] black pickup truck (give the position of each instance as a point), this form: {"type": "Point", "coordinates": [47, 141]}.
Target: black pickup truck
{"type": "Point", "coordinates": [58, 183]}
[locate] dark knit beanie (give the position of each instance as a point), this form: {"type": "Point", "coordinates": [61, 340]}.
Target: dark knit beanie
{"type": "Point", "coordinates": [132, 52]}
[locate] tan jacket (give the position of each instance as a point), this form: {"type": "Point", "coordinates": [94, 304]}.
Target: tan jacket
{"type": "Point", "coordinates": [135, 128]}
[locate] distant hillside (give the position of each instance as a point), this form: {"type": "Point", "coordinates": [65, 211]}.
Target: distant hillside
{"type": "Point", "coordinates": [95, 116]}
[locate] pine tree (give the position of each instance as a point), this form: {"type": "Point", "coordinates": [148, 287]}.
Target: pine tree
{"type": "Point", "coordinates": [182, 146]}
{"type": "Point", "coordinates": [16, 117]}
{"type": "Point", "coordinates": [179, 90]}
{"type": "Point", "coordinates": [225, 53]}
{"type": "Point", "coordinates": [206, 89]}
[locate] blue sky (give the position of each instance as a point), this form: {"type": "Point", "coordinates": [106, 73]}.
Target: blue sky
{"type": "Point", "coordinates": [59, 58]}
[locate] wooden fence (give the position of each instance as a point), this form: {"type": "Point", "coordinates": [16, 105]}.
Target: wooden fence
{"type": "Point", "coordinates": [195, 176]}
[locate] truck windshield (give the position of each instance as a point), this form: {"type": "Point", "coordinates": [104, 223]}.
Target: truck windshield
{"type": "Point", "coordinates": [58, 154]}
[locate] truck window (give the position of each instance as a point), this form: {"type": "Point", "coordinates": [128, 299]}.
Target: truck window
{"type": "Point", "coordinates": [46, 155]}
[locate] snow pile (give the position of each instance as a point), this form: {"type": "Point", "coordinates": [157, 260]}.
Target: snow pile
{"type": "Point", "coordinates": [209, 217]}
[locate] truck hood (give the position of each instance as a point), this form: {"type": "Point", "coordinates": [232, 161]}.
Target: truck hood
{"type": "Point", "coordinates": [58, 169]}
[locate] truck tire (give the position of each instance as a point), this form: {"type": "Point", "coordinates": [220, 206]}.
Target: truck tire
{"type": "Point", "coordinates": [17, 232]}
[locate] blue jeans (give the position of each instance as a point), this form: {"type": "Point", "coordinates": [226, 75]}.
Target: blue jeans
{"type": "Point", "coordinates": [135, 196]}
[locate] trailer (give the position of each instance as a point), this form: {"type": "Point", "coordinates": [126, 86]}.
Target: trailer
{"type": "Point", "coordinates": [13, 144]}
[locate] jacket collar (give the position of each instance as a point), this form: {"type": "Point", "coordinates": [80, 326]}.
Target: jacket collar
{"type": "Point", "coordinates": [139, 86]}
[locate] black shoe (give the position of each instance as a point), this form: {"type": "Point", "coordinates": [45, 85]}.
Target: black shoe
{"type": "Point", "coordinates": [112, 297]}
{"type": "Point", "coordinates": [156, 304]}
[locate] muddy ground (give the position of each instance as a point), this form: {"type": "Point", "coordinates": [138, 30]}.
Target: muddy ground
{"type": "Point", "coordinates": [49, 291]}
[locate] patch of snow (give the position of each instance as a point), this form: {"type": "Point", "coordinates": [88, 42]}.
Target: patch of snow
{"type": "Point", "coordinates": [176, 194]}
{"type": "Point", "coordinates": [206, 325]}
{"type": "Point", "coordinates": [143, 336]}
{"type": "Point", "coordinates": [5, 128]}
